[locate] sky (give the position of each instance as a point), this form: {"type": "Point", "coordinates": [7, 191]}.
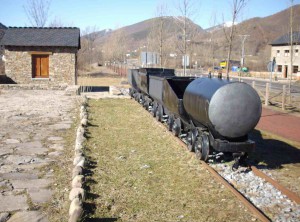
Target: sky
{"type": "Point", "coordinates": [111, 14]}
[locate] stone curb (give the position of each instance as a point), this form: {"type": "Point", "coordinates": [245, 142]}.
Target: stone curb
{"type": "Point", "coordinates": [77, 193]}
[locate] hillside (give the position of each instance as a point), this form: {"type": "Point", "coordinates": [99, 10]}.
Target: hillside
{"type": "Point", "coordinates": [261, 31]}
{"type": "Point", "coordinates": [138, 33]}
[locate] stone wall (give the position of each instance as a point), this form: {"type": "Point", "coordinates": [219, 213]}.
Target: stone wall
{"type": "Point", "coordinates": [62, 65]}
{"type": "Point", "coordinates": [1, 62]}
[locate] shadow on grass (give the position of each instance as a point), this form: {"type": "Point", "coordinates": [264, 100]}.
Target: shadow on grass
{"type": "Point", "coordinates": [273, 153]}
{"type": "Point", "coordinates": [103, 75]}
{"type": "Point", "coordinates": [90, 207]}
{"type": "Point", "coordinates": [87, 133]}
{"type": "Point", "coordinates": [92, 125]}
{"type": "Point", "coordinates": [101, 219]}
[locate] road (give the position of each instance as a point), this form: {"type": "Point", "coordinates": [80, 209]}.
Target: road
{"type": "Point", "coordinates": [276, 86]}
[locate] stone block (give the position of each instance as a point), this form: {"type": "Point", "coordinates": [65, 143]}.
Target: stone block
{"type": "Point", "coordinates": [28, 184]}
{"type": "Point", "coordinates": [77, 171]}
{"type": "Point", "coordinates": [81, 163]}
{"type": "Point", "coordinates": [77, 193]}
{"type": "Point", "coordinates": [84, 122]}
{"type": "Point", "coordinates": [32, 216]}
{"type": "Point", "coordinates": [40, 195]}
{"type": "Point", "coordinates": [76, 205]}
{"type": "Point", "coordinates": [78, 146]}
{"type": "Point", "coordinates": [77, 181]}
{"type": "Point", "coordinates": [77, 159]}
{"type": "Point", "coordinates": [19, 176]}
{"type": "Point", "coordinates": [13, 203]}
{"type": "Point", "coordinates": [79, 152]}
{"type": "Point", "coordinates": [4, 217]}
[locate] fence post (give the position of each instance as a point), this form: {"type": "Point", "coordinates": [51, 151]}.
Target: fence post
{"type": "Point", "coordinates": [253, 84]}
{"type": "Point", "coordinates": [267, 94]}
{"type": "Point", "coordinates": [283, 96]}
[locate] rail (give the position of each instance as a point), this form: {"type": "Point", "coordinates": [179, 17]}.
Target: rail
{"type": "Point", "coordinates": [257, 212]}
{"type": "Point", "coordinates": [279, 187]}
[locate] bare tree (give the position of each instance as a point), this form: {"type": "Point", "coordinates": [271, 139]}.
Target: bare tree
{"type": "Point", "coordinates": [187, 9]}
{"type": "Point", "coordinates": [56, 22]}
{"type": "Point", "coordinates": [213, 41]}
{"type": "Point", "coordinates": [115, 46]}
{"type": "Point", "coordinates": [37, 12]}
{"type": "Point", "coordinates": [237, 6]}
{"type": "Point", "coordinates": [89, 52]}
{"type": "Point", "coordinates": [159, 33]}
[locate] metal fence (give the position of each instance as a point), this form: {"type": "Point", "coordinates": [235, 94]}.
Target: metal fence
{"type": "Point", "coordinates": [120, 69]}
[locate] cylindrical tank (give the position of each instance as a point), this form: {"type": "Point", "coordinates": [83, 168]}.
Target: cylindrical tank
{"type": "Point", "coordinates": [230, 109]}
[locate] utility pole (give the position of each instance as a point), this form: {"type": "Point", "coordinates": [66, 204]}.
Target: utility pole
{"type": "Point", "coordinates": [291, 48]}
{"type": "Point", "coordinates": [184, 47]}
{"type": "Point", "coordinates": [243, 37]}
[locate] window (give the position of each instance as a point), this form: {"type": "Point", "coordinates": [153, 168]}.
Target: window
{"type": "Point", "coordinates": [279, 68]}
{"type": "Point", "coordinates": [296, 52]}
{"type": "Point", "coordinates": [295, 69]}
{"type": "Point", "coordinates": [278, 53]}
{"type": "Point", "coordinates": [286, 52]}
{"type": "Point", "coordinates": [40, 66]}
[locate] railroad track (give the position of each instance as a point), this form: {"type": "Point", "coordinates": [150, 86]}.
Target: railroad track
{"type": "Point", "coordinates": [289, 214]}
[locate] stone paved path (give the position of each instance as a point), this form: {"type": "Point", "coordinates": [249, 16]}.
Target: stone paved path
{"type": "Point", "coordinates": [32, 123]}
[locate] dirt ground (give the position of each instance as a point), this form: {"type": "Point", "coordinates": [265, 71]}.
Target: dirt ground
{"type": "Point", "coordinates": [100, 76]}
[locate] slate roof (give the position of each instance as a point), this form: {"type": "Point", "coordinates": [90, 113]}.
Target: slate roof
{"type": "Point", "coordinates": [31, 36]}
{"type": "Point", "coordinates": [2, 26]}
{"type": "Point", "coordinates": [2, 30]}
{"type": "Point", "coordinates": [285, 39]}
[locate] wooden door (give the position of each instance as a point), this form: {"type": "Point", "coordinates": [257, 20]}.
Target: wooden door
{"type": "Point", "coordinates": [40, 66]}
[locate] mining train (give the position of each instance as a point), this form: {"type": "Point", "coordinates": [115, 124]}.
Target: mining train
{"type": "Point", "coordinates": [211, 114]}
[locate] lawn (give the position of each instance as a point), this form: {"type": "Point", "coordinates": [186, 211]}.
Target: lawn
{"type": "Point", "coordinates": [138, 172]}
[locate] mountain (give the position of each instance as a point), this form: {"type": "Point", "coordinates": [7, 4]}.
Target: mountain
{"type": "Point", "coordinates": [138, 33]}
{"type": "Point", "coordinates": [261, 31]}
{"type": "Point", "coordinates": [218, 27]}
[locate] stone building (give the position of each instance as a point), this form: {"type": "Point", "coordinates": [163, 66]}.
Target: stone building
{"type": "Point", "coordinates": [41, 56]}
{"type": "Point", "coordinates": [2, 31]}
{"type": "Point", "coordinates": [281, 51]}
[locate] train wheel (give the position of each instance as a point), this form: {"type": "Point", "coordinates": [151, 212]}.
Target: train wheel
{"type": "Point", "coordinates": [170, 122]}
{"type": "Point", "coordinates": [159, 113]}
{"type": "Point", "coordinates": [137, 97]}
{"type": "Point", "coordinates": [202, 147]}
{"type": "Point", "coordinates": [153, 110]}
{"type": "Point", "coordinates": [176, 128]}
{"type": "Point", "coordinates": [131, 92]}
{"type": "Point", "coordinates": [141, 99]}
{"type": "Point", "coordinates": [146, 105]}
{"type": "Point", "coordinates": [191, 139]}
